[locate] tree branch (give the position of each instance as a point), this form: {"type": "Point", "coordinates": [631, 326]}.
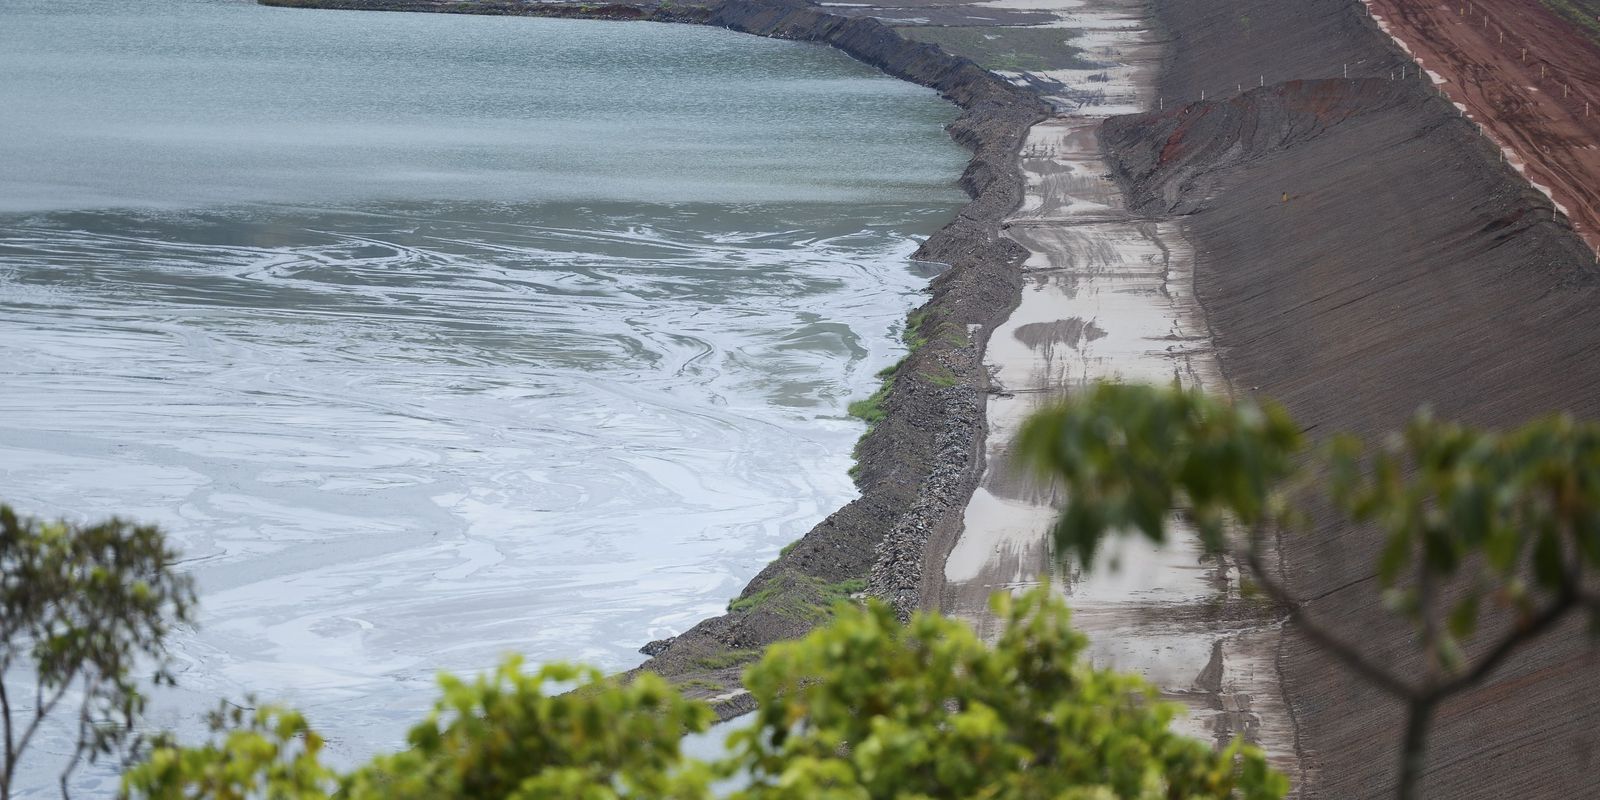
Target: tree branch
{"type": "Point", "coordinates": [5, 710]}
{"type": "Point", "coordinates": [10, 762]}
{"type": "Point", "coordinates": [1431, 662]}
{"type": "Point", "coordinates": [1344, 651]}
{"type": "Point", "coordinates": [1539, 623]}
{"type": "Point", "coordinates": [41, 710]}
{"type": "Point", "coordinates": [84, 726]}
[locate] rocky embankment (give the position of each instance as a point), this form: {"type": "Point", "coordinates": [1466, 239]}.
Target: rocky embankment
{"type": "Point", "coordinates": [917, 464]}
{"type": "Point", "coordinates": [1363, 251]}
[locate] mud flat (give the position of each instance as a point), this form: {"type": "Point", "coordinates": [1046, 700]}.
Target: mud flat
{"type": "Point", "coordinates": [1360, 250]}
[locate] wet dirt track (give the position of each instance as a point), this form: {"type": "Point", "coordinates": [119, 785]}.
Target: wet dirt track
{"type": "Point", "coordinates": [1107, 295]}
{"type": "Point", "coordinates": [1528, 76]}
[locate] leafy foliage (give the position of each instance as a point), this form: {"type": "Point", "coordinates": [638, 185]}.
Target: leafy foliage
{"type": "Point", "coordinates": [499, 736]}
{"type": "Point", "coordinates": [267, 752]}
{"type": "Point", "coordinates": [863, 708]}
{"type": "Point", "coordinates": [1468, 517]}
{"type": "Point", "coordinates": [83, 608]}
{"type": "Point", "coordinates": [1516, 514]}
{"type": "Point", "coordinates": [1132, 454]}
{"type": "Point", "coordinates": [870, 708]}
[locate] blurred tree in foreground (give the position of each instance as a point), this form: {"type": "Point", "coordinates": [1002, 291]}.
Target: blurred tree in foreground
{"type": "Point", "coordinates": [863, 708]}
{"type": "Point", "coordinates": [85, 611]}
{"type": "Point", "coordinates": [868, 707]}
{"type": "Point", "coordinates": [1469, 519]}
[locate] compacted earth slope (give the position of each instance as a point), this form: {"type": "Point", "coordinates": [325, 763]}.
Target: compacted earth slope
{"type": "Point", "coordinates": [1362, 251]}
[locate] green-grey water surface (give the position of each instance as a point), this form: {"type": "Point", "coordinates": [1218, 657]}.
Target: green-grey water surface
{"type": "Point", "coordinates": [435, 337]}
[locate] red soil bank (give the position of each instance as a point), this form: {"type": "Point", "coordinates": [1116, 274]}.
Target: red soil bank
{"type": "Point", "coordinates": [1529, 76]}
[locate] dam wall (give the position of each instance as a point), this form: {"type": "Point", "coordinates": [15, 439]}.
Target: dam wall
{"type": "Point", "coordinates": [1361, 251]}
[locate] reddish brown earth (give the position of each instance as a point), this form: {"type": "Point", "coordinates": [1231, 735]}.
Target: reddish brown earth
{"type": "Point", "coordinates": [1529, 76]}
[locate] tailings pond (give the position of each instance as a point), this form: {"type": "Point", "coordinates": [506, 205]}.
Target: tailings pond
{"type": "Point", "coordinates": [431, 338]}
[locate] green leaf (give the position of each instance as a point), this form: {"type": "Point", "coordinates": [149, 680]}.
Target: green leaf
{"type": "Point", "coordinates": [1464, 617]}
{"type": "Point", "coordinates": [1548, 567]}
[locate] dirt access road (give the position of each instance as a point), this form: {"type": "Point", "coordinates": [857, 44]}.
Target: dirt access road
{"type": "Point", "coordinates": [1527, 75]}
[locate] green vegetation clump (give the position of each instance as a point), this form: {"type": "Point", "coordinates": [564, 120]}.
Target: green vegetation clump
{"type": "Point", "coordinates": [731, 658]}
{"type": "Point", "coordinates": [799, 596]}
{"type": "Point", "coordinates": [871, 410]}
{"type": "Point", "coordinates": [760, 598]}
{"type": "Point", "coordinates": [1005, 48]}
{"type": "Point", "coordinates": [701, 684]}
{"type": "Point", "coordinates": [845, 588]}
{"type": "Point", "coordinates": [943, 377]}
{"type": "Point", "coordinates": [912, 335]}
{"type": "Point", "coordinates": [954, 334]}
{"type": "Point", "coordinates": [927, 709]}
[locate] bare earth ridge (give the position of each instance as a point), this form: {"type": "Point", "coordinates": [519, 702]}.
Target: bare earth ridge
{"type": "Point", "coordinates": [1527, 75]}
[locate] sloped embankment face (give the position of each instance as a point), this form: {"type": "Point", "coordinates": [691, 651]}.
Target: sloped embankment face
{"type": "Point", "coordinates": [1362, 252]}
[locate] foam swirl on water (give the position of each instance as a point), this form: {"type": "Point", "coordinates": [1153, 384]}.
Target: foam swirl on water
{"type": "Point", "coordinates": [413, 362]}
{"type": "Point", "coordinates": [389, 453]}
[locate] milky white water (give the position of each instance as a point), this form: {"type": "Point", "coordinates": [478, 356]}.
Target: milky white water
{"type": "Point", "coordinates": [431, 338]}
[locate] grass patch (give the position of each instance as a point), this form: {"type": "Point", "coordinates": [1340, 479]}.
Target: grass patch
{"type": "Point", "coordinates": [731, 658]}
{"type": "Point", "coordinates": [702, 684]}
{"type": "Point", "coordinates": [788, 548]}
{"type": "Point", "coordinates": [1007, 49]}
{"type": "Point", "coordinates": [912, 335]}
{"type": "Point", "coordinates": [954, 334]}
{"type": "Point", "coordinates": [871, 410]}
{"type": "Point", "coordinates": [799, 596]}
{"type": "Point", "coordinates": [943, 377]}
{"type": "Point", "coordinates": [843, 589]}
{"type": "Point", "coordinates": [757, 599]}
